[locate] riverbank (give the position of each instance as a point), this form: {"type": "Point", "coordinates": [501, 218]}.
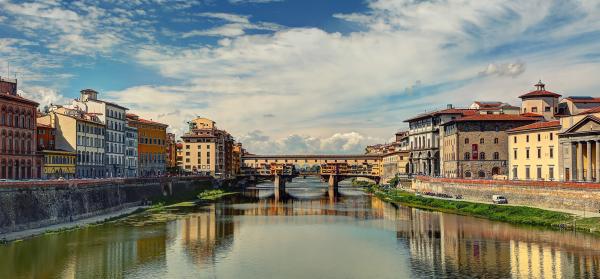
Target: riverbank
{"type": "Point", "coordinates": [511, 214]}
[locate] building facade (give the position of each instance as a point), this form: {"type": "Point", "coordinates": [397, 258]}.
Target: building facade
{"type": "Point", "coordinates": [424, 139]}
{"type": "Point", "coordinates": [476, 146]}
{"type": "Point", "coordinates": [206, 149]}
{"type": "Point", "coordinates": [152, 137]}
{"type": "Point", "coordinates": [579, 141]}
{"type": "Point", "coordinates": [113, 117]}
{"type": "Point", "coordinates": [533, 151]}
{"type": "Point", "coordinates": [82, 133]}
{"type": "Point", "coordinates": [18, 148]}
{"type": "Point", "coordinates": [171, 149]}
{"type": "Point", "coordinates": [131, 151]}
{"type": "Point", "coordinates": [540, 101]}
{"type": "Point", "coordinates": [59, 164]}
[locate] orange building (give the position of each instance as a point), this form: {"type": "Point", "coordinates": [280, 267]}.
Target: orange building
{"type": "Point", "coordinates": [45, 137]}
{"type": "Point", "coordinates": [152, 142]}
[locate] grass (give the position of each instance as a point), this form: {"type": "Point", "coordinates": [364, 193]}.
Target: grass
{"type": "Point", "coordinates": [211, 195]}
{"type": "Point", "coordinates": [512, 214]}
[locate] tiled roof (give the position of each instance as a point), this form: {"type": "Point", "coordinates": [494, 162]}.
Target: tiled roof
{"type": "Point", "coordinates": [494, 117]}
{"type": "Point", "coordinates": [585, 99]}
{"type": "Point", "coordinates": [537, 126]}
{"type": "Point", "coordinates": [18, 98]}
{"type": "Point", "coordinates": [539, 93]}
{"type": "Point", "coordinates": [589, 111]}
{"type": "Point", "coordinates": [444, 111]}
{"type": "Point", "coordinates": [531, 114]}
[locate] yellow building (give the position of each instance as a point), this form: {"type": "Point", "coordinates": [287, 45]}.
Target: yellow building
{"type": "Point", "coordinates": [533, 151]}
{"type": "Point", "coordinates": [59, 163]}
{"type": "Point", "coordinates": [152, 137]}
{"type": "Point", "coordinates": [540, 101]}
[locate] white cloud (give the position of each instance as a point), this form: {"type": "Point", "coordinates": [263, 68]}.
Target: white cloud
{"type": "Point", "coordinates": [236, 26]}
{"type": "Point", "coordinates": [339, 143]}
{"type": "Point", "coordinates": [44, 96]}
{"type": "Point", "coordinates": [508, 69]}
{"type": "Point", "coordinates": [320, 83]}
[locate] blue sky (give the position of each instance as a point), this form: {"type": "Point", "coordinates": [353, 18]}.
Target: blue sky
{"type": "Point", "coordinates": [299, 76]}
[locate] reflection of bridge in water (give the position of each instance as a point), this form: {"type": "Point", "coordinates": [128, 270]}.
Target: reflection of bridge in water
{"type": "Point", "coordinates": [332, 168]}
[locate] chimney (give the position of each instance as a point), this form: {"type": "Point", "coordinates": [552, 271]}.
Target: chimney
{"type": "Point", "coordinates": [449, 106]}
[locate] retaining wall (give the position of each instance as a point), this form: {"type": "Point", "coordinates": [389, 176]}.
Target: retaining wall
{"type": "Point", "coordinates": [28, 205]}
{"type": "Point", "coordinates": [549, 194]}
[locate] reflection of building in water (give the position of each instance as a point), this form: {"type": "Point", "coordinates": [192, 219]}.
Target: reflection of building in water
{"type": "Point", "coordinates": [452, 244]}
{"type": "Point", "coordinates": [203, 234]}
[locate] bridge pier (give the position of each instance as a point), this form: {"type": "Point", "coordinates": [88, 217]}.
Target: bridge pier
{"type": "Point", "coordinates": [333, 182]}
{"type": "Point", "coordinates": [279, 182]}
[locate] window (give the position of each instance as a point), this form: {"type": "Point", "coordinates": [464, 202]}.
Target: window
{"type": "Point", "coordinates": [515, 153]}
{"type": "Point", "coordinates": [482, 156]}
{"type": "Point", "coordinates": [527, 173]}
{"type": "Point", "coordinates": [495, 140]}
{"type": "Point", "coordinates": [547, 109]}
{"type": "Point", "coordinates": [466, 140]}
{"type": "Point", "coordinates": [481, 141]}
{"type": "Point", "coordinates": [514, 139]}
{"type": "Point", "coordinates": [527, 153]}
{"type": "Point", "coordinates": [527, 138]}
{"type": "Point", "coordinates": [539, 172]}
{"type": "Point", "coordinates": [467, 174]}
{"type": "Point", "coordinates": [551, 136]}
{"type": "Point", "coordinates": [534, 109]}
{"type": "Point", "coordinates": [467, 156]}
{"type": "Point", "coordinates": [515, 171]}
{"type": "Point", "coordinates": [551, 173]}
{"type": "Point", "coordinates": [481, 174]}
{"type": "Point", "coordinates": [539, 137]}
{"type": "Point", "coordinates": [496, 156]}
{"type": "Point", "coordinates": [551, 152]}
{"type": "Point", "coordinates": [539, 152]}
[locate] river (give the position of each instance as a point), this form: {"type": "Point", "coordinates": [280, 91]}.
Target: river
{"type": "Point", "coordinates": [306, 232]}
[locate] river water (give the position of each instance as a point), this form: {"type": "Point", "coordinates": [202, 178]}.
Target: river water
{"type": "Point", "coordinates": [305, 232]}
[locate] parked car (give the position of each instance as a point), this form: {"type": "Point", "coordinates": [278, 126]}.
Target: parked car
{"type": "Point", "coordinates": [498, 199]}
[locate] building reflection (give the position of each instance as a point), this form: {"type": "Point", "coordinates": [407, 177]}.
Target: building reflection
{"type": "Point", "coordinates": [452, 244]}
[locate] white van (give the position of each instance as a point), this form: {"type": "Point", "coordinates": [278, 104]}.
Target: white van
{"type": "Point", "coordinates": [498, 199]}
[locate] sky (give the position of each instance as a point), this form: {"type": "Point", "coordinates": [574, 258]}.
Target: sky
{"type": "Point", "coordinates": [299, 76]}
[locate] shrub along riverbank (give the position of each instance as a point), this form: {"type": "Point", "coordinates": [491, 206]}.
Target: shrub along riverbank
{"type": "Point", "coordinates": [504, 213]}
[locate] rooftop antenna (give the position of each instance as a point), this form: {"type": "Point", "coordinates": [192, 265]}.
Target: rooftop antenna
{"type": "Point", "coordinates": [8, 68]}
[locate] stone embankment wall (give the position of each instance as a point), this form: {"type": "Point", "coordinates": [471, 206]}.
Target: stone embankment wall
{"type": "Point", "coordinates": [29, 205]}
{"type": "Point", "coordinates": [546, 194]}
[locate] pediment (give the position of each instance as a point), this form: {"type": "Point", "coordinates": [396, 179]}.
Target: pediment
{"type": "Point", "coordinates": [588, 124]}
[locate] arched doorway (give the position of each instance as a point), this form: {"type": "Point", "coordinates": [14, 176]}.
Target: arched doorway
{"type": "Point", "coordinates": [495, 171]}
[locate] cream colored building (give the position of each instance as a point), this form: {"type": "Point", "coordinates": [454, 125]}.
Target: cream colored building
{"type": "Point", "coordinates": [206, 149]}
{"type": "Point", "coordinates": [579, 141]}
{"type": "Point", "coordinates": [540, 101]}
{"type": "Point", "coordinates": [394, 163]}
{"type": "Point", "coordinates": [533, 151]}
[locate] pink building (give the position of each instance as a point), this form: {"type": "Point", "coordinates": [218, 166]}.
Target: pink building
{"type": "Point", "coordinates": [18, 159]}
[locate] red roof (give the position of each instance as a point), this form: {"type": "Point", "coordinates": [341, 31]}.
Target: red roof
{"type": "Point", "coordinates": [537, 126]}
{"type": "Point", "coordinates": [531, 114]}
{"type": "Point", "coordinates": [539, 93]}
{"type": "Point", "coordinates": [495, 117]}
{"type": "Point", "coordinates": [590, 111]}
{"type": "Point", "coordinates": [463, 112]}
{"type": "Point", "coordinates": [583, 99]}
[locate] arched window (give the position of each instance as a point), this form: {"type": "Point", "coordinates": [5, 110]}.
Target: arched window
{"type": "Point", "coordinates": [481, 141]}
{"type": "Point", "coordinates": [481, 174]}
{"type": "Point", "coordinates": [467, 156]}
{"type": "Point", "coordinates": [496, 156]}
{"type": "Point", "coordinates": [467, 174]}
{"type": "Point", "coordinates": [482, 156]}
{"type": "Point", "coordinates": [466, 140]}
{"type": "Point", "coordinates": [496, 140]}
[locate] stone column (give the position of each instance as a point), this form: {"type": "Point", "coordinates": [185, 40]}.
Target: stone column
{"type": "Point", "coordinates": [588, 176]}
{"type": "Point", "coordinates": [597, 161]}
{"type": "Point", "coordinates": [579, 163]}
{"type": "Point", "coordinates": [573, 167]}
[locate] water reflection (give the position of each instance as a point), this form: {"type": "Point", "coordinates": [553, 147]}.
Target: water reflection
{"type": "Point", "coordinates": [302, 233]}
